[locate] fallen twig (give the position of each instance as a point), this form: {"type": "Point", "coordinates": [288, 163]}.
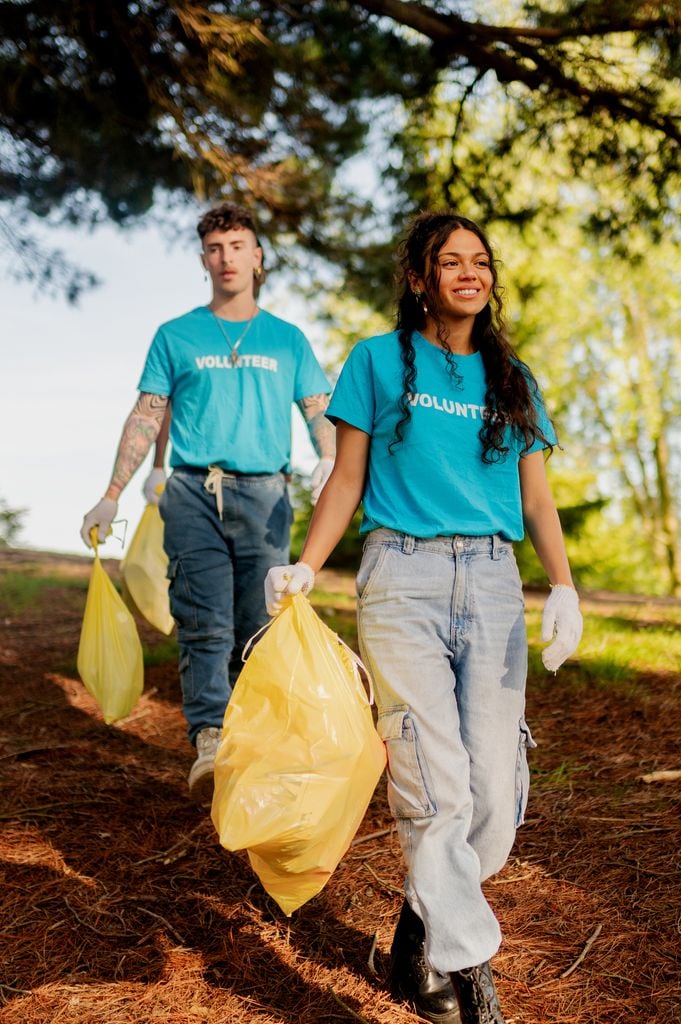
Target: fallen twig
{"type": "Point", "coordinates": [45, 810]}
{"type": "Point", "coordinates": [589, 943]}
{"type": "Point", "coordinates": [372, 835]}
{"type": "Point", "coordinates": [372, 953]}
{"type": "Point", "coordinates": [671, 775]}
{"type": "Point", "coordinates": [388, 886]}
{"type": "Point", "coordinates": [348, 1009]}
{"type": "Point", "coordinates": [169, 856]}
{"type": "Point", "coordinates": [166, 923]}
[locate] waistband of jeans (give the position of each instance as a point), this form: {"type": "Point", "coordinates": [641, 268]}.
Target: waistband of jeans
{"type": "Point", "coordinates": [490, 544]}
{"type": "Point", "coordinates": [205, 470]}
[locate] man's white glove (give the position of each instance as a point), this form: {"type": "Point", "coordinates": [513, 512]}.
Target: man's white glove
{"type": "Point", "coordinates": [101, 516]}
{"type": "Point", "coordinates": [320, 475]}
{"type": "Point", "coordinates": [154, 485]}
{"type": "Point", "coordinates": [286, 579]}
{"type": "Point", "coordinates": [562, 617]}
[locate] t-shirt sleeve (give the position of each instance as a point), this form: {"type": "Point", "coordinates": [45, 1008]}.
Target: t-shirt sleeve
{"type": "Point", "coordinates": [310, 378]}
{"type": "Point", "coordinates": [157, 375]}
{"type": "Point", "coordinates": [353, 399]}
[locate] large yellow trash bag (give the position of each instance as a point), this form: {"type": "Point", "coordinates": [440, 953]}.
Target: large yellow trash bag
{"type": "Point", "coordinates": [299, 758]}
{"type": "Point", "coordinates": [110, 653]}
{"type": "Point", "coordinates": [144, 568]}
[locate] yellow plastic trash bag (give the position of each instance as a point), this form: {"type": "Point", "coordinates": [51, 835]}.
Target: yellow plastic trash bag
{"type": "Point", "coordinates": [143, 571]}
{"type": "Point", "coordinates": [110, 653]}
{"type": "Point", "coordinates": [299, 758]}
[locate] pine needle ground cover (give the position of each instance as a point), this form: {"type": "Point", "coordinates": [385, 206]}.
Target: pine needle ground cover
{"type": "Point", "coordinates": [118, 906]}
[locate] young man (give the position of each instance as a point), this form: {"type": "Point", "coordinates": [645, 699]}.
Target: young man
{"type": "Point", "coordinates": [230, 371]}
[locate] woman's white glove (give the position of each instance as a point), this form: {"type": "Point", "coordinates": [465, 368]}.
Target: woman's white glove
{"type": "Point", "coordinates": [320, 475]}
{"type": "Point", "coordinates": [154, 485]}
{"type": "Point", "coordinates": [563, 618]}
{"type": "Point", "coordinates": [286, 579]}
{"type": "Point", "coordinates": [101, 516]}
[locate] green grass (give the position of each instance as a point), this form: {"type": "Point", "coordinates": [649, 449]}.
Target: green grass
{"type": "Point", "coordinates": [161, 652]}
{"type": "Point", "coordinates": [639, 639]}
{"type": "Point", "coordinates": [21, 590]}
{"type": "Point", "coordinates": [560, 776]}
{"type": "Point", "coordinates": [338, 612]}
{"type": "Point", "coordinates": [621, 649]}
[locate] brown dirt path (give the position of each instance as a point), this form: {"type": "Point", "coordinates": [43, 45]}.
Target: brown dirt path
{"type": "Point", "coordinates": [118, 905]}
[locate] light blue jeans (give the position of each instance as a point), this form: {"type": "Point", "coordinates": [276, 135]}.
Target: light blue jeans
{"type": "Point", "coordinates": [442, 631]}
{"type": "Point", "coordinates": [216, 568]}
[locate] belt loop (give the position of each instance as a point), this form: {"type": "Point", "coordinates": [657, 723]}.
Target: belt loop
{"type": "Point", "coordinates": [408, 543]}
{"type": "Point", "coordinates": [495, 547]}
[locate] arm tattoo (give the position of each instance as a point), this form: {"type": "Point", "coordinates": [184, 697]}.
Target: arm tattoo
{"type": "Point", "coordinates": [313, 404]}
{"type": "Point", "coordinates": [139, 433]}
{"type": "Point", "coordinates": [322, 432]}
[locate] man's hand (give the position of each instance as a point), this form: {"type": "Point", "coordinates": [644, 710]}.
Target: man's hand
{"type": "Point", "coordinates": [563, 618]}
{"type": "Point", "coordinates": [154, 485]}
{"type": "Point", "coordinates": [101, 516]}
{"type": "Point", "coordinates": [286, 579]}
{"type": "Point", "coordinates": [320, 475]}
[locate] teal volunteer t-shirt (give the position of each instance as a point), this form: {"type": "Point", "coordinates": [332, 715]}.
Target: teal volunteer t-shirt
{"type": "Point", "coordinates": [236, 417]}
{"type": "Point", "coordinates": [434, 483]}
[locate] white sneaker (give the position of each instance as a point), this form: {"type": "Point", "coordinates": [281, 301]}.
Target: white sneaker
{"type": "Point", "coordinates": [201, 774]}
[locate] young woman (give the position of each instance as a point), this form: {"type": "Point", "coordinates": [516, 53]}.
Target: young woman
{"type": "Point", "coordinates": [441, 433]}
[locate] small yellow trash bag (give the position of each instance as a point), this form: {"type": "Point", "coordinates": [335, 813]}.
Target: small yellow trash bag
{"type": "Point", "coordinates": [143, 571]}
{"type": "Point", "coordinates": [110, 653]}
{"type": "Point", "coordinates": [299, 758]}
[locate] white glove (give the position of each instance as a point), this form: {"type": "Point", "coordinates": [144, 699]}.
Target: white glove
{"type": "Point", "coordinates": [286, 579]}
{"type": "Point", "coordinates": [102, 516]}
{"type": "Point", "coordinates": [320, 475]}
{"type": "Point", "coordinates": [154, 485]}
{"type": "Point", "coordinates": [562, 616]}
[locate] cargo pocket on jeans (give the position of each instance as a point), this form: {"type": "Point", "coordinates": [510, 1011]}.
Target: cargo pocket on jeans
{"type": "Point", "coordinates": [409, 784]}
{"type": "Point", "coordinates": [181, 602]}
{"type": "Point", "coordinates": [522, 772]}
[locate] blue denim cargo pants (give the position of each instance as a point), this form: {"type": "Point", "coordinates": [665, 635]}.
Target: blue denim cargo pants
{"type": "Point", "coordinates": [216, 569]}
{"type": "Point", "coordinates": [442, 631]}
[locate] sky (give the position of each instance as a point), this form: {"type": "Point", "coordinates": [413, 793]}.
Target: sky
{"type": "Point", "coordinates": [69, 377]}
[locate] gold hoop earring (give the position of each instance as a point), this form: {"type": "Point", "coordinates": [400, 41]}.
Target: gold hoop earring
{"type": "Point", "coordinates": [257, 273]}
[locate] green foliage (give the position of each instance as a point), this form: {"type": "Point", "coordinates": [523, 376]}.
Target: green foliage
{"type": "Point", "coordinates": [11, 522]}
{"type": "Point", "coordinates": [102, 105]}
{"type": "Point", "coordinates": [605, 553]}
{"type": "Point", "coordinates": [347, 553]}
{"type": "Point", "coordinates": [347, 320]}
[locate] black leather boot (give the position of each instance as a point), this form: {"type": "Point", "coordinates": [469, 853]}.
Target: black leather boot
{"type": "Point", "coordinates": [477, 995]}
{"type": "Point", "coordinates": [430, 994]}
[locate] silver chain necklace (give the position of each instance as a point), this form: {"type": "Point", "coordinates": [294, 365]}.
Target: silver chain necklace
{"type": "Point", "coordinates": [234, 346]}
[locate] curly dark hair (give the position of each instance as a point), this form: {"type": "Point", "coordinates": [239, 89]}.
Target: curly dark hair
{"type": "Point", "coordinates": [511, 387]}
{"type": "Point", "coordinates": [226, 217]}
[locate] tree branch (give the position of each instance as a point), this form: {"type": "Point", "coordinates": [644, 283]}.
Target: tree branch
{"type": "Point", "coordinates": [529, 65]}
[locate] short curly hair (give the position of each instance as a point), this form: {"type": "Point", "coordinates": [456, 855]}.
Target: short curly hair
{"type": "Point", "coordinates": [225, 217]}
